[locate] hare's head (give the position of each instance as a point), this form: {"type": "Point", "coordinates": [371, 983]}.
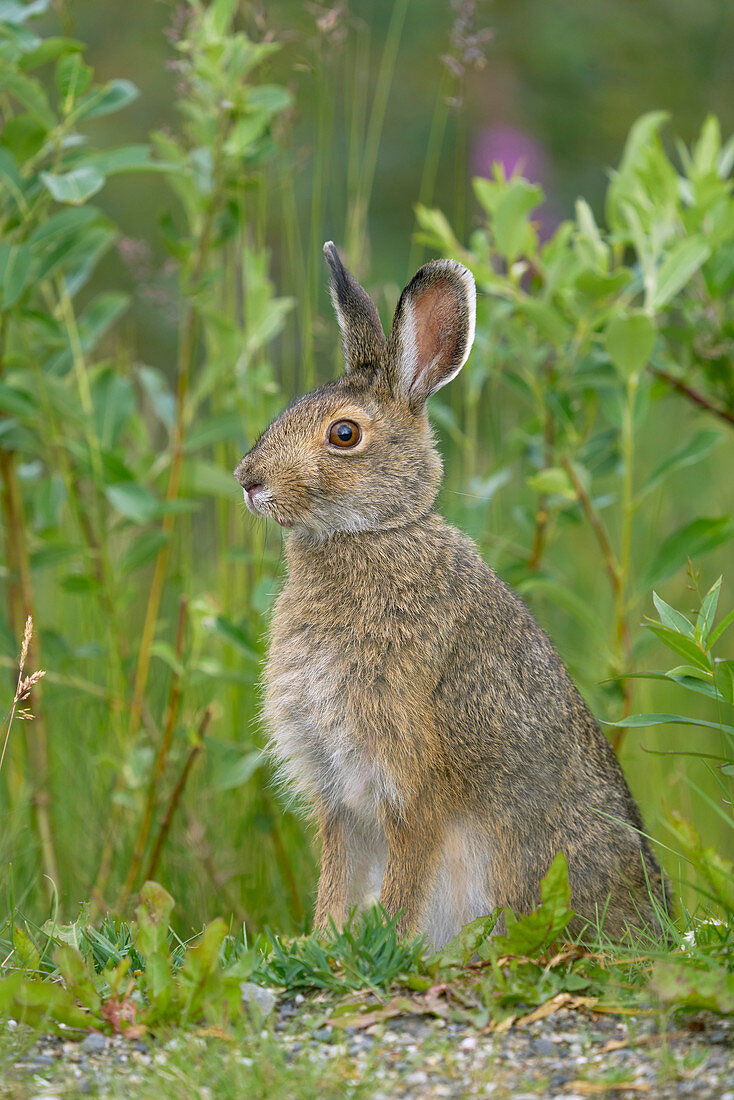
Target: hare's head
{"type": "Point", "coordinates": [358, 454]}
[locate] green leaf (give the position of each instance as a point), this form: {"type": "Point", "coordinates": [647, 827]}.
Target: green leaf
{"type": "Point", "coordinates": [128, 158]}
{"type": "Point", "coordinates": [635, 721]}
{"type": "Point", "coordinates": [77, 977]}
{"type": "Point", "coordinates": [103, 101]}
{"type": "Point", "coordinates": [510, 224]}
{"type": "Point", "coordinates": [553, 480]}
{"type": "Point", "coordinates": [15, 266]}
{"type": "Point", "coordinates": [629, 342]}
{"type": "Point", "coordinates": [74, 187]}
{"type": "Point", "coordinates": [691, 985]}
{"type": "Point", "coordinates": [724, 679]}
{"type": "Point", "coordinates": [690, 452]}
{"type": "Point", "coordinates": [237, 634]}
{"type": "Point", "coordinates": [239, 771]}
{"type": "Point", "coordinates": [683, 261]}
{"type": "Point", "coordinates": [17, 13]}
{"type": "Point", "coordinates": [154, 916]}
{"type": "Point", "coordinates": [72, 76]}
{"type": "Point", "coordinates": [201, 478]}
{"type": "Point", "coordinates": [707, 613]}
{"type": "Point", "coordinates": [99, 315]}
{"type": "Point", "coordinates": [671, 618]}
{"type": "Point", "coordinates": [134, 501]}
{"type": "Point", "coordinates": [546, 319]}
{"type": "Point", "coordinates": [48, 49]}
{"type": "Point", "coordinates": [589, 240]}
{"type": "Point", "coordinates": [690, 541]}
{"type": "Point", "coordinates": [681, 644]}
{"type": "Point", "coordinates": [723, 625]}
{"type": "Point", "coordinates": [529, 934]}
{"type": "Point", "coordinates": [28, 91]}
{"type": "Point", "coordinates": [213, 429]}
{"type": "Point", "coordinates": [143, 550]}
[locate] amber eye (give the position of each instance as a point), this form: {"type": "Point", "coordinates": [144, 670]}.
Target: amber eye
{"type": "Point", "coordinates": [344, 433]}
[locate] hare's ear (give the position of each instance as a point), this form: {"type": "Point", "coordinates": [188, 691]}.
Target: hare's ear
{"type": "Point", "coordinates": [362, 336]}
{"type": "Point", "coordinates": [433, 330]}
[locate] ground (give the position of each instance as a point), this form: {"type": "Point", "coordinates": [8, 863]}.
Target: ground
{"type": "Point", "coordinates": [294, 1054]}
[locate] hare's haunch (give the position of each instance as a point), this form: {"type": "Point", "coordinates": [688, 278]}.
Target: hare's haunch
{"type": "Point", "coordinates": [410, 695]}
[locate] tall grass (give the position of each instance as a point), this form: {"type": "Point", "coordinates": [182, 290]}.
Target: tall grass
{"type": "Point", "coordinates": [124, 534]}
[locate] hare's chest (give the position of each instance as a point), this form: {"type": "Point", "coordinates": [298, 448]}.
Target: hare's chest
{"type": "Point", "coordinates": [317, 730]}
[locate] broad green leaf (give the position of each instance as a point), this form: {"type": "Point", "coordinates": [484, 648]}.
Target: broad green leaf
{"type": "Point", "coordinates": [73, 187]}
{"type": "Point", "coordinates": [48, 49]}
{"type": "Point", "coordinates": [272, 98]}
{"type": "Point", "coordinates": [510, 224]}
{"type": "Point", "coordinates": [553, 480]}
{"type": "Point", "coordinates": [589, 240]}
{"type": "Point", "coordinates": [681, 644]}
{"type": "Point", "coordinates": [437, 226]}
{"type": "Point", "coordinates": [549, 322]}
{"type": "Point", "coordinates": [72, 76]}
{"type": "Point", "coordinates": [237, 634]}
{"type": "Point", "coordinates": [15, 266]}
{"type": "Point", "coordinates": [154, 916]}
{"type": "Point", "coordinates": [692, 451]}
{"type": "Point", "coordinates": [15, 13]}
{"type": "Point", "coordinates": [634, 721]}
{"type": "Point", "coordinates": [77, 977]}
{"type": "Point", "coordinates": [127, 158]}
{"type": "Point", "coordinates": [65, 224]}
{"type": "Point", "coordinates": [629, 342]}
{"type": "Point", "coordinates": [134, 501]}
{"type": "Point", "coordinates": [723, 625]}
{"type": "Point", "coordinates": [103, 101]}
{"type": "Point", "coordinates": [690, 541]}
{"type": "Point", "coordinates": [41, 1004]}
{"type": "Point", "coordinates": [213, 429]}
{"type": "Point", "coordinates": [724, 679]}
{"type": "Point", "coordinates": [202, 478]}
{"type": "Point", "coordinates": [671, 618]}
{"type": "Point", "coordinates": [686, 983]}
{"type": "Point", "coordinates": [28, 91]}
{"type": "Point", "coordinates": [238, 772]}
{"type": "Point", "coordinates": [707, 613]}
{"type": "Point", "coordinates": [683, 261]}
{"type": "Point", "coordinates": [99, 315]}
{"type": "Point", "coordinates": [142, 550]}
{"type": "Point", "coordinates": [529, 934]}
{"type": "Point", "coordinates": [707, 148]}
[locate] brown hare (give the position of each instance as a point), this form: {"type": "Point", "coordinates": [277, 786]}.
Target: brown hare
{"type": "Point", "coordinates": [410, 695]}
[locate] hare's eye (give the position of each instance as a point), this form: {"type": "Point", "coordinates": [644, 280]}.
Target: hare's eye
{"type": "Point", "coordinates": [344, 433]}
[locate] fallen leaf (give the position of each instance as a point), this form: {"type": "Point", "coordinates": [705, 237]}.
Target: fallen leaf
{"type": "Point", "coordinates": [561, 1000]}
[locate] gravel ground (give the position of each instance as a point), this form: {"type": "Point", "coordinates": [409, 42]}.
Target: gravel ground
{"type": "Point", "coordinates": [570, 1054]}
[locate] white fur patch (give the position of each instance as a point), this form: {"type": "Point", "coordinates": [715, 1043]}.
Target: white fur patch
{"type": "Point", "coordinates": [317, 751]}
{"type": "Point", "coordinates": [461, 892]}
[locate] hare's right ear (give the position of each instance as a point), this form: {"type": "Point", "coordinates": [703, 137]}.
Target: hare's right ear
{"type": "Point", "coordinates": [433, 330]}
{"type": "Point", "coordinates": [362, 336]}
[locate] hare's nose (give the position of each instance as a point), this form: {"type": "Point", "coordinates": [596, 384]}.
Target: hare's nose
{"type": "Point", "coordinates": [254, 489]}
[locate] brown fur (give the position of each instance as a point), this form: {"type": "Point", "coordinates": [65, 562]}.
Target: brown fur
{"type": "Point", "coordinates": [411, 696]}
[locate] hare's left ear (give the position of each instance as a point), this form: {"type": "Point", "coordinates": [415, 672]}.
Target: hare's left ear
{"type": "Point", "coordinates": [433, 330]}
{"type": "Point", "coordinates": [362, 337]}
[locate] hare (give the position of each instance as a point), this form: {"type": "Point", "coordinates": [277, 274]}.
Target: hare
{"type": "Point", "coordinates": [411, 697]}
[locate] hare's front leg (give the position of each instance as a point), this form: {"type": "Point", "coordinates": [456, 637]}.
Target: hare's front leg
{"type": "Point", "coordinates": [336, 871]}
{"type": "Point", "coordinates": [412, 864]}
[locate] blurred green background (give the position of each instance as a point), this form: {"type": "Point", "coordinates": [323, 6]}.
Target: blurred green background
{"type": "Point", "coordinates": [391, 104]}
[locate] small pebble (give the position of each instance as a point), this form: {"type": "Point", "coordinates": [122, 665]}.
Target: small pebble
{"type": "Point", "coordinates": [94, 1043]}
{"type": "Point", "coordinates": [544, 1047]}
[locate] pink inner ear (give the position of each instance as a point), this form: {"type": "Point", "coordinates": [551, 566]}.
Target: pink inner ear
{"type": "Point", "coordinates": [437, 330]}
